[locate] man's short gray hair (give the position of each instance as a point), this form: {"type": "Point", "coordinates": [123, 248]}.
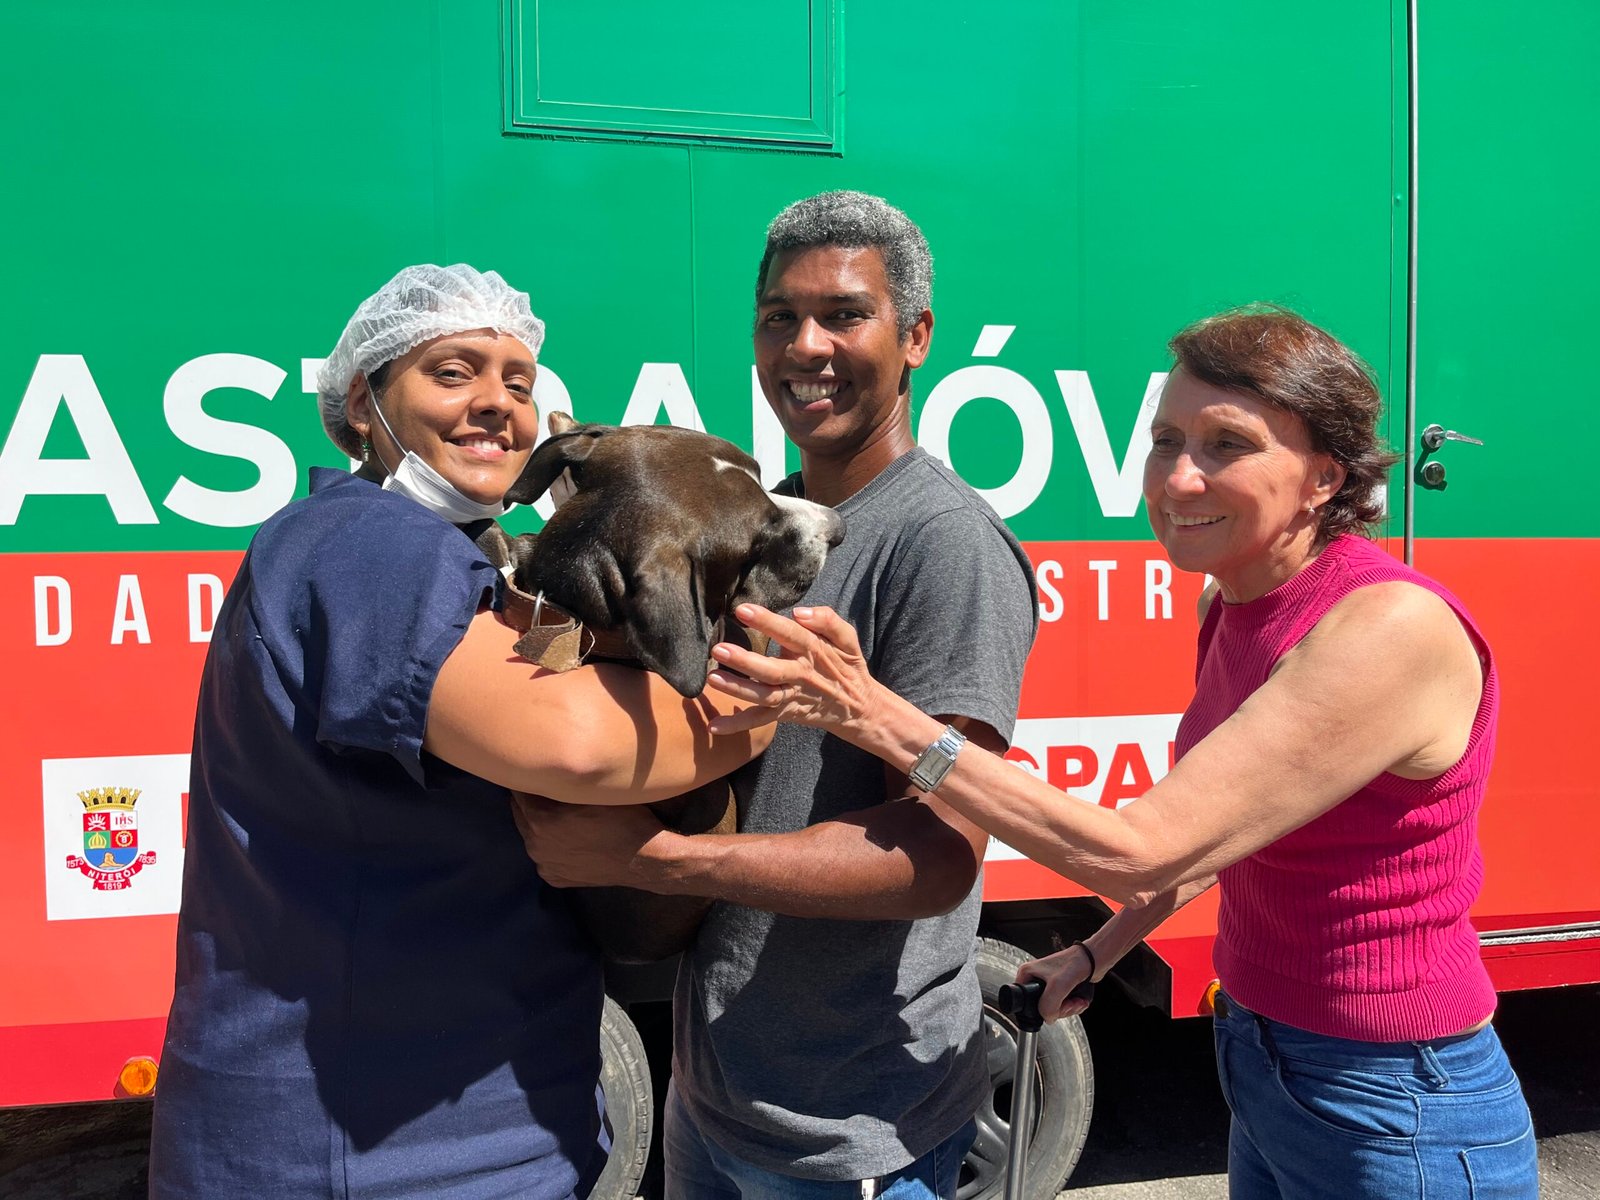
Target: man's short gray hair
{"type": "Point", "coordinates": [855, 219]}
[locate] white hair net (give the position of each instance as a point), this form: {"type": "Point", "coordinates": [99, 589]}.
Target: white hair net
{"type": "Point", "coordinates": [417, 305]}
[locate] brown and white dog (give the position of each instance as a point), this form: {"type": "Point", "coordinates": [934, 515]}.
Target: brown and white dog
{"type": "Point", "coordinates": [664, 532]}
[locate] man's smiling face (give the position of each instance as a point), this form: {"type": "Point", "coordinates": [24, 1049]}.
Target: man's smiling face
{"type": "Point", "coordinates": [828, 352]}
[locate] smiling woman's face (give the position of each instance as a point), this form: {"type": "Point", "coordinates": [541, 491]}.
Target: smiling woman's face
{"type": "Point", "coordinates": [1227, 483]}
{"type": "Point", "coordinates": [463, 403]}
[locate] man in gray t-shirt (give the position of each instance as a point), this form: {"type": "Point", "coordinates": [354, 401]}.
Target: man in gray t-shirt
{"type": "Point", "coordinates": [826, 1021]}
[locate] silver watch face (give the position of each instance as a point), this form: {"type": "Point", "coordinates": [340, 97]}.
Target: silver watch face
{"type": "Point", "coordinates": [934, 763]}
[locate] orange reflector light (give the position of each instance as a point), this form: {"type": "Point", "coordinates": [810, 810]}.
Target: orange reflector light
{"type": "Point", "coordinates": [137, 1077]}
{"type": "Point", "coordinates": [1208, 998]}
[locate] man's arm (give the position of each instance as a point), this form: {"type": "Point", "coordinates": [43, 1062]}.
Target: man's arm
{"type": "Point", "coordinates": [912, 856]}
{"type": "Point", "coordinates": [955, 619]}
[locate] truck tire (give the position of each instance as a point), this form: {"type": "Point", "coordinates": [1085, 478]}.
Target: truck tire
{"type": "Point", "coordinates": [1063, 1083]}
{"type": "Point", "coordinates": [630, 1105]}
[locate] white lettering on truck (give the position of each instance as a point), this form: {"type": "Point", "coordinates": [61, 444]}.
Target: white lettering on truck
{"type": "Point", "coordinates": [128, 616]}
{"type": "Point", "coordinates": [187, 418]}
{"type": "Point", "coordinates": [52, 609]}
{"type": "Point", "coordinates": [106, 469]}
{"type": "Point", "coordinates": [64, 379]}
{"type": "Point", "coordinates": [52, 598]}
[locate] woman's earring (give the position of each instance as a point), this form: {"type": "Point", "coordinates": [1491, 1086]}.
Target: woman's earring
{"type": "Point", "coordinates": [366, 450]}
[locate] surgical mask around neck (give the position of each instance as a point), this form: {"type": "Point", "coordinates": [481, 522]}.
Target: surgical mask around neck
{"type": "Point", "coordinates": [418, 481]}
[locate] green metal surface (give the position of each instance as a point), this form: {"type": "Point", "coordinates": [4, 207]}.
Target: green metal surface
{"type": "Point", "coordinates": [193, 180]}
{"type": "Point", "coordinates": [647, 79]}
{"type": "Point", "coordinates": [1507, 247]}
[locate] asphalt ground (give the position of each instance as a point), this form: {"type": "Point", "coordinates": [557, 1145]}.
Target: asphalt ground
{"type": "Point", "coordinates": [1160, 1128]}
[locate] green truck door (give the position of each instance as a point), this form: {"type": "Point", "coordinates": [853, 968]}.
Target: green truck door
{"type": "Point", "coordinates": [1508, 250]}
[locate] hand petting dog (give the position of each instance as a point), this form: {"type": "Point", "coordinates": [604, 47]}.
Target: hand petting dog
{"type": "Point", "coordinates": [820, 678]}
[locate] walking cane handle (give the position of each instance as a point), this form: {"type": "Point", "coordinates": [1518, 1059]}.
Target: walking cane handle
{"type": "Point", "coordinates": [1020, 1002]}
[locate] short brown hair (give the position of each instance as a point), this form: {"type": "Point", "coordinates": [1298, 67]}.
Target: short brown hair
{"type": "Point", "coordinates": [1280, 357]}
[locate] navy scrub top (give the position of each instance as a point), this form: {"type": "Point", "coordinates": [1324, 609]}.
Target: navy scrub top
{"type": "Point", "coordinates": [376, 994]}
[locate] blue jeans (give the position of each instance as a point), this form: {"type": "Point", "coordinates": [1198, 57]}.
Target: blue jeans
{"type": "Point", "coordinates": [1317, 1116]}
{"type": "Point", "coordinates": [698, 1169]}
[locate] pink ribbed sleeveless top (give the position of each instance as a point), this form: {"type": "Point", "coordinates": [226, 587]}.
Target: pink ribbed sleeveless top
{"type": "Point", "coordinates": [1354, 925]}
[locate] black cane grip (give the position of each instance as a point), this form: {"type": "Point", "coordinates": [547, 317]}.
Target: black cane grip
{"type": "Point", "coordinates": [1020, 1001]}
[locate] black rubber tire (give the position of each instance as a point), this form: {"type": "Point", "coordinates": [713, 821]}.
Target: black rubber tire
{"type": "Point", "coordinates": [630, 1105]}
{"type": "Point", "coordinates": [1063, 1083]}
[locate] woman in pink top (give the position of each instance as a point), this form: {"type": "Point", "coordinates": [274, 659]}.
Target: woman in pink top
{"type": "Point", "coordinates": [1329, 776]}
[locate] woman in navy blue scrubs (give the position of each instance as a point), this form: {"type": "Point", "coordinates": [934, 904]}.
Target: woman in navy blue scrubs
{"type": "Point", "coordinates": [376, 994]}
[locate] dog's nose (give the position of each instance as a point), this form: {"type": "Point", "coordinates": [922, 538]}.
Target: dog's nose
{"type": "Point", "coordinates": [835, 529]}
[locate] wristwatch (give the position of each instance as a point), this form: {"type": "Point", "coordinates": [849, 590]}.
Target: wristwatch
{"type": "Point", "coordinates": [934, 763]}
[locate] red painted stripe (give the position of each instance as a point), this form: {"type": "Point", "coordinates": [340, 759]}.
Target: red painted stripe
{"type": "Point", "coordinates": [63, 1064]}
{"type": "Point", "coordinates": [83, 996]}
{"type": "Point", "coordinates": [1543, 964]}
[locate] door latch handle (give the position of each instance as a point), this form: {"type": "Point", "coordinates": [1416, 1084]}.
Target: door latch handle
{"type": "Point", "coordinates": [1435, 436]}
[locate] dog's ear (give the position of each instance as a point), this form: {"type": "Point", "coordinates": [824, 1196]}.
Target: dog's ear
{"type": "Point", "coordinates": [560, 450]}
{"type": "Point", "coordinates": [665, 619]}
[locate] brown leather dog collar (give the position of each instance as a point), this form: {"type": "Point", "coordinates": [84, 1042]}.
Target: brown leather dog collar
{"type": "Point", "coordinates": [553, 638]}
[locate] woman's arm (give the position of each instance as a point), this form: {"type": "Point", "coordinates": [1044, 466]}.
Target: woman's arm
{"type": "Point", "coordinates": [1387, 681]}
{"type": "Point", "coordinates": [1092, 961]}
{"type": "Point", "coordinates": [595, 735]}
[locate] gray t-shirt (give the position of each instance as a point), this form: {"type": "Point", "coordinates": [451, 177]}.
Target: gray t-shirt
{"type": "Point", "coordinates": [833, 1049]}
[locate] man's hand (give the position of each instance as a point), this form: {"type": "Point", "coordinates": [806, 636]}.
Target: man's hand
{"type": "Point", "coordinates": [581, 845]}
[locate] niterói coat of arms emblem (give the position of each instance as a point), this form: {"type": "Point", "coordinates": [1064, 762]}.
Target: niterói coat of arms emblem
{"type": "Point", "coordinates": [111, 856]}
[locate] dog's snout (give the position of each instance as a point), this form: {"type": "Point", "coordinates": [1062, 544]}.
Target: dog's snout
{"type": "Point", "coordinates": [821, 525]}
{"type": "Point", "coordinates": [833, 528]}
{"type": "Point", "coordinates": [790, 552]}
